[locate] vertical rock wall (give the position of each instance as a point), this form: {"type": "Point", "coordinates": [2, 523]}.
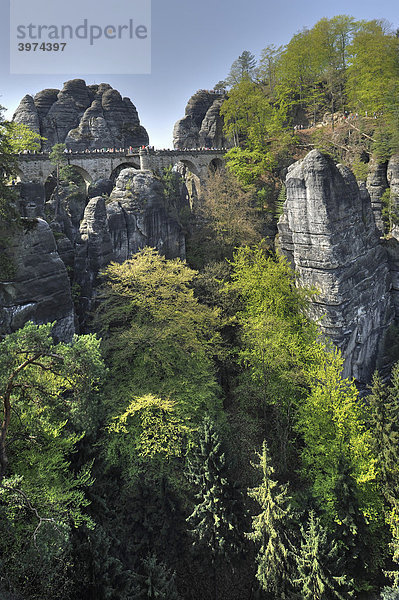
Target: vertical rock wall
{"type": "Point", "coordinates": [40, 290]}
{"type": "Point", "coordinates": [329, 234]}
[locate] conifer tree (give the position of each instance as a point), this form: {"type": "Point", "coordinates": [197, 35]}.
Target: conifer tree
{"type": "Point", "coordinates": [156, 581]}
{"type": "Point", "coordinates": [318, 564]}
{"type": "Point", "coordinates": [352, 531]}
{"type": "Point", "coordinates": [271, 529]}
{"type": "Point", "coordinates": [384, 413]}
{"type": "Point", "coordinates": [243, 67]}
{"type": "Point", "coordinates": [214, 521]}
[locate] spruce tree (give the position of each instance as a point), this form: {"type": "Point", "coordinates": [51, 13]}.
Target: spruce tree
{"type": "Point", "coordinates": [318, 565]}
{"type": "Point", "coordinates": [384, 414]}
{"type": "Point", "coordinates": [352, 532]}
{"type": "Point", "coordinates": [271, 529]}
{"type": "Point", "coordinates": [215, 519]}
{"type": "Point", "coordinates": [156, 581]}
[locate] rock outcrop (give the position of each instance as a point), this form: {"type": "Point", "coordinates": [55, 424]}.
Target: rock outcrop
{"type": "Point", "coordinates": [329, 234]}
{"type": "Point", "coordinates": [376, 185]}
{"type": "Point", "coordinates": [83, 117]}
{"type": "Point", "coordinates": [202, 125]}
{"type": "Point", "coordinates": [40, 290]}
{"type": "Point", "coordinates": [137, 217]}
{"type": "Point", "coordinates": [82, 236]}
{"type": "Point", "coordinates": [393, 181]}
{"type": "Point", "coordinates": [94, 251]}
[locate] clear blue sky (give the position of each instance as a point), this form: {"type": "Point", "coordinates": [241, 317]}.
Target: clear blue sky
{"type": "Point", "coordinates": [193, 46]}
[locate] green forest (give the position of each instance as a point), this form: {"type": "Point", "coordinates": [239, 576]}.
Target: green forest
{"type": "Point", "coordinates": [198, 441]}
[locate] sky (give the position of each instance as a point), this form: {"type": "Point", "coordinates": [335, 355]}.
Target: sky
{"type": "Point", "coordinates": [194, 43]}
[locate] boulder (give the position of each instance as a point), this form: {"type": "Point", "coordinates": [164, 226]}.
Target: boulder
{"type": "Point", "coordinates": [101, 187]}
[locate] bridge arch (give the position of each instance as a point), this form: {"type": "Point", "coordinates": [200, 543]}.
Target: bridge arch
{"type": "Point", "coordinates": [88, 179]}
{"type": "Point", "coordinates": [19, 175]}
{"type": "Point", "coordinates": [216, 164]}
{"type": "Point", "coordinates": [187, 165]}
{"type": "Point", "coordinates": [123, 165]}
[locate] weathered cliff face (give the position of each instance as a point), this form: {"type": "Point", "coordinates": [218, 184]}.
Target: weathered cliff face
{"type": "Point", "coordinates": [81, 116]}
{"type": "Point", "coordinates": [328, 232]}
{"type": "Point", "coordinates": [81, 237]}
{"type": "Point", "coordinates": [40, 290]}
{"type": "Point", "coordinates": [393, 181]}
{"type": "Point", "coordinates": [94, 251]}
{"type": "Point", "coordinates": [137, 217]}
{"type": "Point", "coordinates": [376, 185]}
{"type": "Point", "coordinates": [202, 125]}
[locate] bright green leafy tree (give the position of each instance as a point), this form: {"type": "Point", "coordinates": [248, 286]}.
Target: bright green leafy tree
{"type": "Point", "coordinates": [374, 67]}
{"type": "Point", "coordinates": [147, 433]}
{"type": "Point", "coordinates": [22, 138]}
{"type": "Point", "coordinates": [158, 337]}
{"type": "Point", "coordinates": [332, 423]}
{"type": "Point", "coordinates": [44, 390]}
{"type": "Point", "coordinates": [383, 404]}
{"type": "Point", "coordinates": [277, 340]}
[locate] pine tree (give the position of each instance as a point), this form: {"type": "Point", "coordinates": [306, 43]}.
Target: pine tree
{"type": "Point", "coordinates": [215, 519]}
{"type": "Point", "coordinates": [243, 67]}
{"type": "Point", "coordinates": [271, 529]}
{"type": "Point", "coordinates": [94, 572]}
{"type": "Point", "coordinates": [317, 564]}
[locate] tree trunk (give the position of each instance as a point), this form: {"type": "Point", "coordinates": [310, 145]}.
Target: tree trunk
{"type": "Point", "coordinates": [6, 397]}
{"type": "Point", "coordinates": [3, 434]}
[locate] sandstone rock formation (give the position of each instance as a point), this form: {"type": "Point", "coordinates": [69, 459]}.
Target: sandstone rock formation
{"type": "Point", "coordinates": [40, 290]}
{"type": "Point", "coordinates": [328, 232]}
{"type": "Point", "coordinates": [393, 180]}
{"type": "Point", "coordinates": [93, 252]}
{"type": "Point", "coordinates": [81, 237]}
{"type": "Point", "coordinates": [137, 217]}
{"type": "Point", "coordinates": [202, 125]}
{"type": "Point", "coordinates": [81, 116]}
{"type": "Point", "coordinates": [377, 184]}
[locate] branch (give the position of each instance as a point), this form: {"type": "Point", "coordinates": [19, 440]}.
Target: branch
{"type": "Point", "coordinates": [41, 520]}
{"type": "Point", "coordinates": [361, 132]}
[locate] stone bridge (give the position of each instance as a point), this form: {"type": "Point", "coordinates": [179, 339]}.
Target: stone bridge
{"type": "Point", "coordinates": [95, 165]}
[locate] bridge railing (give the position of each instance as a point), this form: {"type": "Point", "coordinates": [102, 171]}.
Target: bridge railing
{"type": "Point", "coordinates": [122, 152]}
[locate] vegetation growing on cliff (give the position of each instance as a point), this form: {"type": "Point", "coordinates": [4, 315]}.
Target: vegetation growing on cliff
{"type": "Point", "coordinates": [205, 444]}
{"type": "Point", "coordinates": [341, 73]}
